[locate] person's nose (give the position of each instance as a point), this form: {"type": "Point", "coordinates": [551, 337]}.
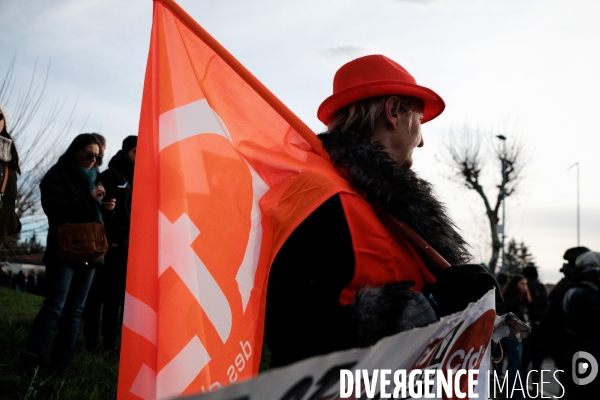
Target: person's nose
{"type": "Point", "coordinates": [422, 142]}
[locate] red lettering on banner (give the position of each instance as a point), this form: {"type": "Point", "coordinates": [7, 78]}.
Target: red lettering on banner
{"type": "Point", "coordinates": [468, 349]}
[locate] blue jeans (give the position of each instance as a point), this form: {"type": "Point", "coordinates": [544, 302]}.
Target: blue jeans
{"type": "Point", "coordinates": [67, 289]}
{"type": "Point", "coordinates": [513, 352]}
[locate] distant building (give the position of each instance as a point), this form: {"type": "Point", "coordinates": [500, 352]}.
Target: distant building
{"type": "Point", "coordinates": [25, 263]}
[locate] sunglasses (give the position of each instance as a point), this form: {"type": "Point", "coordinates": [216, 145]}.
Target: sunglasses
{"type": "Point", "coordinates": [1, 117]}
{"type": "Point", "coordinates": [91, 156]}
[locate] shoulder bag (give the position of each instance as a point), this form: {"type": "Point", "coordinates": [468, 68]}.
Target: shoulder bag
{"type": "Point", "coordinates": [84, 242]}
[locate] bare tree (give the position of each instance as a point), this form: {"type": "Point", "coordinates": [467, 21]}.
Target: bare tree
{"type": "Point", "coordinates": [467, 159]}
{"type": "Point", "coordinates": [39, 138]}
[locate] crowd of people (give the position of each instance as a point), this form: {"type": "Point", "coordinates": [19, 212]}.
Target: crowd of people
{"type": "Point", "coordinates": [364, 278]}
{"type": "Point", "coordinates": [86, 251]}
{"type": "Point", "coordinates": [563, 321]}
{"type": "Point", "coordinates": [24, 281]}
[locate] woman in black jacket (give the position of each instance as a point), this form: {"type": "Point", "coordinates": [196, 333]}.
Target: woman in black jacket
{"type": "Point", "coordinates": [70, 194]}
{"type": "Point", "coordinates": [107, 294]}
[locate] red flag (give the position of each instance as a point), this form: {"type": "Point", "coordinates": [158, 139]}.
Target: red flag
{"type": "Point", "coordinates": [219, 159]}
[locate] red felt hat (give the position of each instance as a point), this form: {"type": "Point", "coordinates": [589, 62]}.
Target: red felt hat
{"type": "Point", "coordinates": [376, 75]}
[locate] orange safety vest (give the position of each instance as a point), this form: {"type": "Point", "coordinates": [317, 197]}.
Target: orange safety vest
{"type": "Point", "coordinates": [379, 257]}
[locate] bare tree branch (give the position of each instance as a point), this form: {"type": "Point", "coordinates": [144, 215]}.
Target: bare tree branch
{"type": "Point", "coordinates": [466, 159]}
{"type": "Point", "coordinates": [39, 138]}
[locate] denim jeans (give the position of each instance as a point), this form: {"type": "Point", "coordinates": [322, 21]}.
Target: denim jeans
{"type": "Point", "coordinates": [513, 352]}
{"type": "Point", "coordinates": [63, 306]}
{"type": "Point", "coordinates": [106, 297]}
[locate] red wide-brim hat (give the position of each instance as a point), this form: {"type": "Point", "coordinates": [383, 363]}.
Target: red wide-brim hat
{"type": "Point", "coordinates": [376, 75]}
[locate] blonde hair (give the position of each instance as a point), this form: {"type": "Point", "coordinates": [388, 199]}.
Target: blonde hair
{"type": "Point", "coordinates": [362, 116]}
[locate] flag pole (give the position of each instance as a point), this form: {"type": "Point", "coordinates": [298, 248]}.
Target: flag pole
{"type": "Point", "coordinates": [291, 118]}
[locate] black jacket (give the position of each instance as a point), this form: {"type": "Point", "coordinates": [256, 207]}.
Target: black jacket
{"type": "Point", "coordinates": [65, 199]}
{"type": "Point", "coordinates": [553, 327]}
{"type": "Point", "coordinates": [515, 306]}
{"type": "Point", "coordinates": [9, 222]}
{"type": "Point", "coordinates": [582, 315]}
{"type": "Point", "coordinates": [118, 183]}
{"type": "Point", "coordinates": [303, 314]}
{"type": "Point", "coordinates": [539, 300]}
{"type": "Point", "coordinates": [582, 310]}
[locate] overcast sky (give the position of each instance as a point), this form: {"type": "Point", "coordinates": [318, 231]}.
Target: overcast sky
{"type": "Point", "coordinates": [527, 69]}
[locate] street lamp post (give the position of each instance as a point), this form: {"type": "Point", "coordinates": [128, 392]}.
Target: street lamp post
{"type": "Point", "coordinates": [503, 194]}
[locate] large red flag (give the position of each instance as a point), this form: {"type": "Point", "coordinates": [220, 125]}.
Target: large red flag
{"type": "Point", "coordinates": [219, 159]}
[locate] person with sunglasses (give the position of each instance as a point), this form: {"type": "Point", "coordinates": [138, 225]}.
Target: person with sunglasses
{"type": "Point", "coordinates": [9, 168]}
{"type": "Point", "coordinates": [70, 195]}
{"type": "Point", "coordinates": [107, 294]}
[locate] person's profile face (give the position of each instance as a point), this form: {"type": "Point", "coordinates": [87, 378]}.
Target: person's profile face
{"type": "Point", "coordinates": [406, 138]}
{"type": "Point", "coordinates": [131, 155]}
{"type": "Point", "coordinates": [2, 121]}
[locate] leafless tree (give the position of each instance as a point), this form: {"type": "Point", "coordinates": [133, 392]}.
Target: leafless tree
{"type": "Point", "coordinates": [467, 157]}
{"type": "Point", "coordinates": [39, 137]}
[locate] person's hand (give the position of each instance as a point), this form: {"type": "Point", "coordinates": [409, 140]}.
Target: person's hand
{"type": "Point", "coordinates": [98, 192]}
{"type": "Point", "coordinates": [109, 204]}
{"type": "Point", "coordinates": [459, 285]}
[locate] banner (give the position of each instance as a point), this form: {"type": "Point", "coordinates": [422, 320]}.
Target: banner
{"type": "Point", "coordinates": [216, 154]}
{"type": "Point", "coordinates": [457, 347]}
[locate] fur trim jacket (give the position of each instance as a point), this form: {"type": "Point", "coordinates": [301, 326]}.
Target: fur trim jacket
{"type": "Point", "coordinates": [303, 316]}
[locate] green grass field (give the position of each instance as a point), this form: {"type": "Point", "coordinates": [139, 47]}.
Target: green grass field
{"type": "Point", "coordinates": [90, 377]}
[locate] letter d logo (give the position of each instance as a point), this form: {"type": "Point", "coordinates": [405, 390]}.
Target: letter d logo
{"type": "Point", "coordinates": [583, 363]}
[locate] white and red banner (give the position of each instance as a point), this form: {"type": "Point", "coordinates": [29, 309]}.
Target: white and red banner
{"type": "Point", "coordinates": [458, 343]}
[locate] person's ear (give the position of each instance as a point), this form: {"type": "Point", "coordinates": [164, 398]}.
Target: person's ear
{"type": "Point", "coordinates": [392, 111]}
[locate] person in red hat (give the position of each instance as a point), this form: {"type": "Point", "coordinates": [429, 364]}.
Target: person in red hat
{"type": "Point", "coordinates": [343, 279]}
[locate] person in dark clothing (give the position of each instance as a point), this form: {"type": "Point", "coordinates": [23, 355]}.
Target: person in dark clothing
{"type": "Point", "coordinates": [343, 279]}
{"type": "Point", "coordinates": [70, 194]}
{"type": "Point", "coordinates": [516, 300]}
{"type": "Point", "coordinates": [108, 287]}
{"type": "Point", "coordinates": [502, 278]}
{"type": "Point", "coordinates": [552, 326]}
{"type": "Point", "coordinates": [532, 352]}
{"type": "Point", "coordinates": [107, 293]}
{"type": "Point", "coordinates": [581, 305]}
{"type": "Point", "coordinates": [20, 282]}
{"type": "Point", "coordinates": [32, 282]}
{"type": "Point", "coordinates": [9, 170]}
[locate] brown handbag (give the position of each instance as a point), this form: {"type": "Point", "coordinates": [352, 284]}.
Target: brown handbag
{"type": "Point", "coordinates": [82, 242]}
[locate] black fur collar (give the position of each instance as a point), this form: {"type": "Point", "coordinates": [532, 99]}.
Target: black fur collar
{"type": "Point", "coordinates": [397, 190]}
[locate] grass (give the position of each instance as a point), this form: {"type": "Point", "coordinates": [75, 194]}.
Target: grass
{"type": "Point", "coordinates": [91, 377]}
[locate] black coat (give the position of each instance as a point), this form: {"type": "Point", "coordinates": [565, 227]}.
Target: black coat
{"type": "Point", "coordinates": [118, 183]}
{"type": "Point", "coordinates": [65, 199]}
{"type": "Point", "coordinates": [539, 300]}
{"type": "Point", "coordinates": [303, 315]}
{"type": "Point", "coordinates": [515, 306]}
{"type": "Point", "coordinates": [553, 327]}
{"type": "Point", "coordinates": [582, 310]}
{"type": "Point", "coordinates": [9, 222]}
{"type": "Point", "coordinates": [582, 315]}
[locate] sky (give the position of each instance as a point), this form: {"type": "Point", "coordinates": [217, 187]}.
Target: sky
{"type": "Point", "coordinates": [526, 69]}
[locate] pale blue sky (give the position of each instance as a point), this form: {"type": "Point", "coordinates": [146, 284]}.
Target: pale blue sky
{"type": "Point", "coordinates": [526, 69]}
